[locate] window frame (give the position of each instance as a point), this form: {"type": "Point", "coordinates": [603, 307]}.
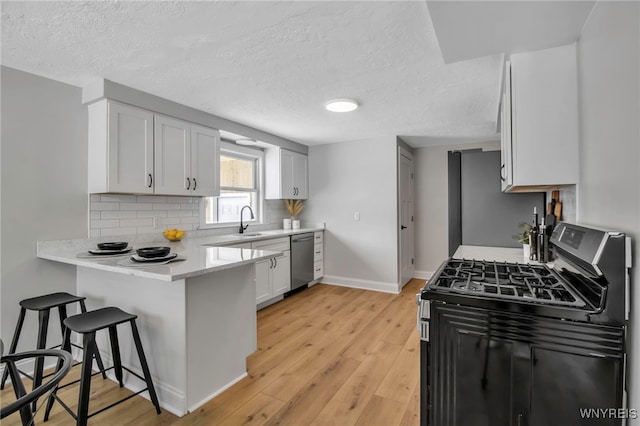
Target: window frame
{"type": "Point", "coordinates": [257, 154]}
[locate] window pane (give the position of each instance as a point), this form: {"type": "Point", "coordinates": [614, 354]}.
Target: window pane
{"type": "Point", "coordinates": [236, 172]}
{"type": "Point", "coordinates": [230, 204]}
{"type": "Point", "coordinates": [226, 208]}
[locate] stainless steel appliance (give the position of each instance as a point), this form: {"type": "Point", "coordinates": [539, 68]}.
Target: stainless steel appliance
{"type": "Point", "coordinates": [528, 345]}
{"type": "Point", "coordinates": [301, 260]}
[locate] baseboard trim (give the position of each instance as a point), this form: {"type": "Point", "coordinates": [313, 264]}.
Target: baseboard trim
{"type": "Point", "coordinates": [381, 286]}
{"type": "Point", "coordinates": [424, 275]}
{"type": "Point", "coordinates": [218, 392]}
{"type": "Point", "coordinates": [171, 399]}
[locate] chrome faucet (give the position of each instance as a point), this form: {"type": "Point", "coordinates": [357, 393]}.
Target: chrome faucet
{"type": "Point", "coordinates": [242, 228]}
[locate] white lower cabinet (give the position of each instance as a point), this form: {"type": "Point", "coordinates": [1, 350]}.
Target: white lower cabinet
{"type": "Point", "coordinates": [318, 255]}
{"type": "Point", "coordinates": [273, 275]}
{"type": "Point", "coordinates": [263, 281]}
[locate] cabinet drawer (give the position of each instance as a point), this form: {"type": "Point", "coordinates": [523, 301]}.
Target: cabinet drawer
{"type": "Point", "coordinates": [318, 252]}
{"type": "Point", "coordinates": [318, 237]}
{"type": "Point", "coordinates": [275, 244]}
{"type": "Point", "coordinates": [318, 269]}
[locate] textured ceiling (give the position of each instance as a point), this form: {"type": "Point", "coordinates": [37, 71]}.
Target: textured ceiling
{"type": "Point", "coordinates": [269, 65]}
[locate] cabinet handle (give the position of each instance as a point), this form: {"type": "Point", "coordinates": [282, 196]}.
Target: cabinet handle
{"type": "Point", "coordinates": [501, 176]}
{"type": "Point", "coordinates": [150, 180]}
{"type": "Point", "coordinates": [271, 263]}
{"type": "Point", "coordinates": [195, 184]}
{"type": "Point", "coordinates": [188, 183]}
{"type": "Point", "coordinates": [275, 262]}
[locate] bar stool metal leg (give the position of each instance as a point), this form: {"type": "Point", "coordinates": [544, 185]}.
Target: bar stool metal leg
{"type": "Point", "coordinates": [43, 321]}
{"type": "Point", "coordinates": [115, 353]}
{"type": "Point", "coordinates": [83, 309]}
{"type": "Point", "coordinates": [145, 366]}
{"type": "Point", "coordinates": [14, 342]}
{"type": "Point", "coordinates": [85, 382]}
{"type": "Point", "coordinates": [66, 342]}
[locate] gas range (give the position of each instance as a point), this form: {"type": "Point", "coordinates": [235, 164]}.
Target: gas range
{"type": "Point", "coordinates": [588, 281]}
{"type": "Point", "coordinates": [501, 280]}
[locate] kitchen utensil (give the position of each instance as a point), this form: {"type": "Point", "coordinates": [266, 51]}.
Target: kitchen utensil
{"type": "Point", "coordinates": [558, 211]}
{"type": "Point", "coordinates": [153, 252]}
{"type": "Point", "coordinates": [120, 245]}
{"type": "Point", "coordinates": [140, 259]}
{"type": "Point", "coordinates": [104, 253]}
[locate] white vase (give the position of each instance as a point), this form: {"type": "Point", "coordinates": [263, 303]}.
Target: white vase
{"type": "Point", "coordinates": [286, 223]}
{"type": "Point", "coordinates": [526, 252]}
{"type": "Point", "coordinates": [295, 224]}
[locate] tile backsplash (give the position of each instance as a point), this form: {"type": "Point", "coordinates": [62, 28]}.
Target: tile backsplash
{"type": "Point", "coordinates": [115, 214]}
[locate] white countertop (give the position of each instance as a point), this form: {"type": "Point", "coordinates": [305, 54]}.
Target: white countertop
{"type": "Point", "coordinates": [201, 254]}
{"type": "Point", "coordinates": [499, 254]}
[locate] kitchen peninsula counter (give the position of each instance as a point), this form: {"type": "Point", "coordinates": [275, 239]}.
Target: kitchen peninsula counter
{"type": "Point", "coordinates": [196, 317]}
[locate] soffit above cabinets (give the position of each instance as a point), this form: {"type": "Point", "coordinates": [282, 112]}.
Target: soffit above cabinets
{"type": "Point", "coordinates": [473, 29]}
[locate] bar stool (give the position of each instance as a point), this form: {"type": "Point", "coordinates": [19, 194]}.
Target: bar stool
{"type": "Point", "coordinates": [43, 305]}
{"type": "Point", "coordinates": [88, 324]}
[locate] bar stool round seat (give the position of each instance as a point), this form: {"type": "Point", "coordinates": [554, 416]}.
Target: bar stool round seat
{"type": "Point", "coordinates": [87, 324]}
{"type": "Point", "coordinates": [92, 321]}
{"type": "Point", "coordinates": [43, 305]}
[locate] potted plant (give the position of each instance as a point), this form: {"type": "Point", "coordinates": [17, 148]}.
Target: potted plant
{"type": "Point", "coordinates": [523, 238]}
{"type": "Point", "coordinates": [294, 207]}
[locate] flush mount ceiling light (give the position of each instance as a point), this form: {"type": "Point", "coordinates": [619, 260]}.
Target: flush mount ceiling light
{"type": "Point", "coordinates": [341, 105]}
{"type": "Point", "coordinates": [247, 142]}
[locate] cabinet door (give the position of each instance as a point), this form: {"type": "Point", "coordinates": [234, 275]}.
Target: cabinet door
{"type": "Point", "coordinates": [475, 370]}
{"type": "Point", "coordinates": [130, 150]}
{"type": "Point", "coordinates": [172, 148]}
{"type": "Point", "coordinates": [263, 281]}
{"type": "Point", "coordinates": [300, 176]}
{"type": "Point", "coordinates": [205, 157]}
{"type": "Point", "coordinates": [281, 274]}
{"type": "Point", "coordinates": [506, 171]}
{"type": "Point", "coordinates": [287, 176]}
{"type": "Point", "coordinates": [584, 382]}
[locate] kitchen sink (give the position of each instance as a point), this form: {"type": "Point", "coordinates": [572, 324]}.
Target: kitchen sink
{"type": "Point", "coordinates": [248, 235]}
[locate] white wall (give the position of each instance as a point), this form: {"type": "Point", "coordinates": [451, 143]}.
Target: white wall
{"type": "Point", "coordinates": [432, 204]}
{"type": "Point", "coordinates": [349, 177]}
{"type": "Point", "coordinates": [44, 196]}
{"type": "Point", "coordinates": [609, 190]}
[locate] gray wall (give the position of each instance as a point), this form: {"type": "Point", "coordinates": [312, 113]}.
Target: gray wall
{"type": "Point", "coordinates": [609, 190]}
{"type": "Point", "coordinates": [491, 217]}
{"type": "Point", "coordinates": [356, 176]}
{"type": "Point", "coordinates": [43, 188]}
{"type": "Point", "coordinates": [432, 204]}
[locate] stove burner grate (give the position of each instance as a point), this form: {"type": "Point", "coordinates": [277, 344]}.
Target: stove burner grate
{"type": "Point", "coordinates": [530, 283]}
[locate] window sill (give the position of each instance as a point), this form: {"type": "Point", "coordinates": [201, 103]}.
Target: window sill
{"type": "Point", "coordinates": [228, 225]}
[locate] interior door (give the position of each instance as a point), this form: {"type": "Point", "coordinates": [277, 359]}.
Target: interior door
{"type": "Point", "coordinates": [405, 167]}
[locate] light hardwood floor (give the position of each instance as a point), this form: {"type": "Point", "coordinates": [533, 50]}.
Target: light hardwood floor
{"type": "Point", "coordinates": [326, 356]}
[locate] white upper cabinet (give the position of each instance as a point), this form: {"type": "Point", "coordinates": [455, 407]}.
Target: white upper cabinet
{"type": "Point", "coordinates": [286, 175]}
{"type": "Point", "coordinates": [136, 151]}
{"type": "Point", "coordinates": [186, 158]}
{"type": "Point", "coordinates": [172, 150]}
{"type": "Point", "coordinates": [120, 149]}
{"type": "Point", "coordinates": [540, 120]}
{"type": "Point", "coordinates": [205, 161]}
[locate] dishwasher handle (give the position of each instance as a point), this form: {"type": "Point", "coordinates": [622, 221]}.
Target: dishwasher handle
{"type": "Point", "coordinates": [298, 240]}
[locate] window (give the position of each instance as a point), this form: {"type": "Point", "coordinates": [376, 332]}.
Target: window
{"type": "Point", "coordinates": [239, 186]}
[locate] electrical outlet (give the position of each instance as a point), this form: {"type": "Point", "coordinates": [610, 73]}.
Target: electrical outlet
{"type": "Point", "coordinates": [356, 216]}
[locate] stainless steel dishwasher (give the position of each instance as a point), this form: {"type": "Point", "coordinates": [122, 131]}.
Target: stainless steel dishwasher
{"type": "Point", "coordinates": [301, 260]}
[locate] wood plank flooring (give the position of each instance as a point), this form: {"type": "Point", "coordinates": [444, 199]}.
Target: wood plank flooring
{"type": "Point", "coordinates": [326, 356]}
